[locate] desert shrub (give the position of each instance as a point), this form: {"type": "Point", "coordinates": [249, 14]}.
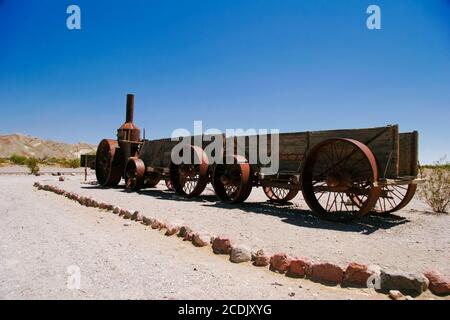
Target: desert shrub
{"type": "Point", "coordinates": [19, 160]}
{"type": "Point", "coordinates": [4, 161]}
{"type": "Point", "coordinates": [70, 163]}
{"type": "Point", "coordinates": [437, 165]}
{"type": "Point", "coordinates": [61, 162]}
{"type": "Point", "coordinates": [436, 189]}
{"type": "Point", "coordinates": [33, 165]}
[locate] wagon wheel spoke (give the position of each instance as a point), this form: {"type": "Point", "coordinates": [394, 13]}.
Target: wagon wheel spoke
{"type": "Point", "coordinates": [190, 179]}
{"type": "Point", "coordinates": [338, 179]}
{"type": "Point", "coordinates": [394, 198]}
{"type": "Point", "coordinates": [280, 195]}
{"type": "Point", "coordinates": [231, 182]}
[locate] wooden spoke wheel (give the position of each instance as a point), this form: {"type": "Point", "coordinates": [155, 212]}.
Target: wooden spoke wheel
{"type": "Point", "coordinates": [393, 198]}
{"type": "Point", "coordinates": [190, 179]}
{"type": "Point", "coordinates": [152, 180]}
{"type": "Point", "coordinates": [134, 174]}
{"type": "Point", "coordinates": [338, 179]}
{"type": "Point", "coordinates": [280, 195]}
{"type": "Point", "coordinates": [232, 182]}
{"type": "Point", "coordinates": [109, 163]}
{"type": "Point", "coordinates": [169, 185]}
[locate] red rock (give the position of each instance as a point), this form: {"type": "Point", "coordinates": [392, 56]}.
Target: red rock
{"type": "Point", "coordinates": [328, 272]}
{"type": "Point", "coordinates": [155, 224]}
{"type": "Point", "coordinates": [439, 285]}
{"type": "Point", "coordinates": [280, 262]}
{"type": "Point", "coordinates": [188, 236]}
{"type": "Point", "coordinates": [162, 225]}
{"type": "Point", "coordinates": [300, 267]}
{"type": "Point", "coordinates": [103, 205]}
{"type": "Point", "coordinates": [356, 274]}
{"type": "Point", "coordinates": [221, 245]}
{"type": "Point", "coordinates": [260, 258]}
{"type": "Point", "coordinates": [171, 230]}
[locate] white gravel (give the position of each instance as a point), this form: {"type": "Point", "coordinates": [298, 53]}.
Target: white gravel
{"type": "Point", "coordinates": [413, 240]}
{"type": "Point", "coordinates": [42, 234]}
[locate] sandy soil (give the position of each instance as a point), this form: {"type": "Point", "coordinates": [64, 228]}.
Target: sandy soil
{"type": "Point", "coordinates": [41, 234]}
{"type": "Point", "coordinates": [413, 240]}
{"type": "Point", "coordinates": [44, 170]}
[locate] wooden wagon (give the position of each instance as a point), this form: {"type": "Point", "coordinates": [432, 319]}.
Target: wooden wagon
{"type": "Point", "coordinates": [342, 174]}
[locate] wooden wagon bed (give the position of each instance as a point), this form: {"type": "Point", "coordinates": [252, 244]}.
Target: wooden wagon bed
{"type": "Point", "coordinates": [349, 171]}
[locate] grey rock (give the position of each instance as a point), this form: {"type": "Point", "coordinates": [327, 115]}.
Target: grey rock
{"type": "Point", "coordinates": [117, 210]}
{"type": "Point", "coordinates": [240, 253]}
{"type": "Point", "coordinates": [183, 231]}
{"type": "Point", "coordinates": [403, 282]}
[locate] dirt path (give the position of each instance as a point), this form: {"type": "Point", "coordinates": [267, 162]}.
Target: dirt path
{"type": "Point", "coordinates": [41, 234]}
{"type": "Point", "coordinates": [412, 240]}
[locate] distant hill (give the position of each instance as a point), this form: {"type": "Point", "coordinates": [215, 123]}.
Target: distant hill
{"type": "Point", "coordinates": [28, 146]}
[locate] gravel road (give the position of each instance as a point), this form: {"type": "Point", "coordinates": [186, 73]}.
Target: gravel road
{"type": "Point", "coordinates": [413, 240]}
{"type": "Point", "coordinates": [42, 234]}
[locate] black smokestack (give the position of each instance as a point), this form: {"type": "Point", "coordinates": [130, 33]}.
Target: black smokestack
{"type": "Point", "coordinates": [130, 108]}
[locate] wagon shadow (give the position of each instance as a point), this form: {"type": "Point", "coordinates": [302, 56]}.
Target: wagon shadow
{"type": "Point", "coordinates": [170, 195]}
{"type": "Point", "coordinates": [158, 194]}
{"type": "Point", "coordinates": [304, 218]}
{"type": "Point", "coordinates": [286, 212]}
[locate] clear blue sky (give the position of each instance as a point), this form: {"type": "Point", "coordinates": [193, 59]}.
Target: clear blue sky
{"type": "Point", "coordinates": [291, 65]}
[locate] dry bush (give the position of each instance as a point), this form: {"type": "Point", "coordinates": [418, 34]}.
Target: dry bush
{"type": "Point", "coordinates": [32, 164]}
{"type": "Point", "coordinates": [17, 159]}
{"type": "Point", "coordinates": [436, 189]}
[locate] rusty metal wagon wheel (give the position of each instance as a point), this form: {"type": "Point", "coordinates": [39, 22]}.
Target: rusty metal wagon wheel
{"type": "Point", "coordinates": [134, 174]}
{"type": "Point", "coordinates": [280, 195]}
{"type": "Point", "coordinates": [190, 179]}
{"type": "Point", "coordinates": [109, 163]}
{"type": "Point", "coordinates": [339, 179]}
{"type": "Point", "coordinates": [393, 198]}
{"type": "Point", "coordinates": [232, 182]}
{"type": "Point", "coordinates": [169, 185]}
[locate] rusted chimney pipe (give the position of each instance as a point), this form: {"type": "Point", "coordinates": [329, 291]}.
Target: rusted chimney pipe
{"type": "Point", "coordinates": [130, 108]}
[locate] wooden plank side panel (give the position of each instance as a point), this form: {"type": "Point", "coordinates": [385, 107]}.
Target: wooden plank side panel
{"type": "Point", "coordinates": [156, 153]}
{"type": "Point", "coordinates": [408, 164]}
{"type": "Point", "coordinates": [383, 142]}
{"type": "Point", "coordinates": [292, 149]}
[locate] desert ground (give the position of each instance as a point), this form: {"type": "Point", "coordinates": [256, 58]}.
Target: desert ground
{"type": "Point", "coordinates": [42, 234]}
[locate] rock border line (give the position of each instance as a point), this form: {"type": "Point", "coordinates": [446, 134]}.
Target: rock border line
{"type": "Point", "coordinates": [354, 275]}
